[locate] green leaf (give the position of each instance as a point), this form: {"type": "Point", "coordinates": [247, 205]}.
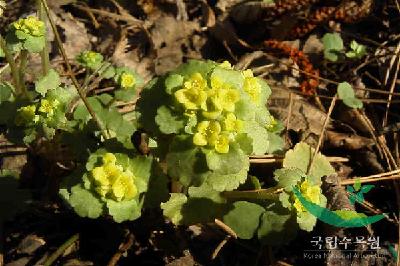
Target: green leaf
{"type": "Point", "coordinates": [2, 54]}
{"type": "Point", "coordinates": [49, 82]}
{"type": "Point", "coordinates": [333, 46]}
{"type": "Point", "coordinates": [357, 184]}
{"type": "Point", "coordinates": [228, 182]}
{"type": "Point", "coordinates": [6, 90]}
{"type": "Point", "coordinates": [259, 135]}
{"type": "Point", "coordinates": [186, 162]}
{"type": "Point", "coordinates": [168, 123]}
{"type": "Point", "coordinates": [230, 76]}
{"type": "Point", "coordinates": [85, 203]}
{"type": "Point", "coordinates": [173, 82]}
{"type": "Point", "coordinates": [123, 210]}
{"type": "Point", "coordinates": [244, 218]}
{"type": "Point", "coordinates": [277, 227]}
{"type": "Point", "coordinates": [172, 209]}
{"type": "Point", "coordinates": [34, 44]}
{"type": "Point", "coordinates": [226, 163]}
{"type": "Point", "coordinates": [300, 157]}
{"type": "Point", "coordinates": [288, 177]}
{"type": "Point", "coordinates": [346, 93]}
{"type": "Point", "coordinates": [125, 95]}
{"type": "Point", "coordinates": [357, 50]}
{"type": "Point", "coordinates": [194, 66]}
{"type": "Point", "coordinates": [205, 191]}
{"type": "Point", "coordinates": [306, 221]}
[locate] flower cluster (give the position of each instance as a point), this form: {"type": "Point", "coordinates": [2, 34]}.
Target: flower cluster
{"type": "Point", "coordinates": [213, 102]}
{"type": "Point", "coordinates": [110, 180]}
{"type": "Point", "coordinates": [310, 192]}
{"type": "Point", "coordinates": [90, 59]}
{"type": "Point", "coordinates": [127, 80]}
{"type": "Point", "coordinates": [27, 115]}
{"type": "Point", "coordinates": [30, 26]}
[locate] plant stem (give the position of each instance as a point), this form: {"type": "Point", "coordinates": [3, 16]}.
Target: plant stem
{"type": "Point", "coordinates": [45, 53]}
{"type": "Point", "coordinates": [53, 257]}
{"type": "Point", "coordinates": [11, 62]}
{"type": "Point", "coordinates": [269, 193]}
{"type": "Point", "coordinates": [21, 72]}
{"type": "Point", "coordinates": [74, 81]}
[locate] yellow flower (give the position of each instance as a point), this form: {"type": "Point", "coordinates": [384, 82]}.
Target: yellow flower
{"type": "Point", "coordinates": [123, 187]}
{"type": "Point", "coordinates": [30, 25]}
{"type": "Point", "coordinates": [90, 59]}
{"type": "Point", "coordinates": [109, 158]}
{"type": "Point", "coordinates": [48, 107]}
{"type": "Point", "coordinates": [248, 73]}
{"type": "Point", "coordinates": [196, 81]}
{"type": "Point", "coordinates": [207, 133]}
{"type": "Point", "coordinates": [232, 124]}
{"type": "Point", "coordinates": [228, 98]}
{"type": "Point", "coordinates": [310, 192]}
{"type": "Point", "coordinates": [26, 114]}
{"type": "Point", "coordinates": [222, 144]}
{"type": "Point", "coordinates": [224, 95]}
{"type": "Point", "coordinates": [226, 65]}
{"type": "Point", "coordinates": [253, 88]}
{"type": "Point", "coordinates": [193, 95]}
{"type": "Point", "coordinates": [213, 105]}
{"type": "Point", "coordinates": [127, 80]}
{"type": "Point", "coordinates": [110, 179]}
{"type": "Point", "coordinates": [272, 124]}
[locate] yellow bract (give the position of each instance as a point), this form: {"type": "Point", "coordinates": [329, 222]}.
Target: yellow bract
{"type": "Point", "coordinates": [48, 107]}
{"type": "Point", "coordinates": [272, 124]}
{"type": "Point", "coordinates": [232, 124]}
{"type": "Point", "coordinates": [111, 179]}
{"type": "Point", "coordinates": [207, 133]}
{"type": "Point", "coordinates": [193, 95]}
{"type": "Point", "coordinates": [310, 192]}
{"type": "Point", "coordinates": [127, 80]}
{"type": "Point", "coordinates": [30, 25]}
{"type": "Point", "coordinates": [222, 144]}
{"type": "Point", "coordinates": [226, 65]}
{"type": "Point", "coordinates": [26, 114]}
{"type": "Point", "coordinates": [253, 88]}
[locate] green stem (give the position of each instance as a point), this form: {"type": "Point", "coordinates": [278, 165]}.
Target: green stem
{"type": "Point", "coordinates": [45, 53]}
{"type": "Point", "coordinates": [268, 193]}
{"type": "Point", "coordinates": [21, 72]}
{"type": "Point", "coordinates": [11, 62]}
{"type": "Point", "coordinates": [74, 81]}
{"type": "Point", "coordinates": [53, 257]}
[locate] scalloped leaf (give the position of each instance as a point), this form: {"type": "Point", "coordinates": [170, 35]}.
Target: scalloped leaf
{"type": "Point", "coordinates": [226, 163]}
{"type": "Point", "coordinates": [49, 82]}
{"type": "Point", "coordinates": [288, 177]}
{"type": "Point", "coordinates": [167, 122]}
{"type": "Point", "coordinates": [333, 46]}
{"type": "Point", "coordinates": [244, 218]}
{"type": "Point", "coordinates": [85, 203]}
{"type": "Point", "coordinates": [124, 210]}
{"type": "Point", "coordinates": [228, 182]}
{"type": "Point", "coordinates": [259, 135]}
{"type": "Point", "coordinates": [186, 162]}
{"type": "Point", "coordinates": [173, 82]}
{"type": "Point", "coordinates": [277, 227]}
{"type": "Point", "coordinates": [172, 209]}
{"type": "Point", "coordinates": [300, 158]}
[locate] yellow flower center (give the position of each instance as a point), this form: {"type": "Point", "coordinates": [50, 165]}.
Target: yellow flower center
{"type": "Point", "coordinates": [48, 107]}
{"type": "Point", "coordinates": [127, 80]}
